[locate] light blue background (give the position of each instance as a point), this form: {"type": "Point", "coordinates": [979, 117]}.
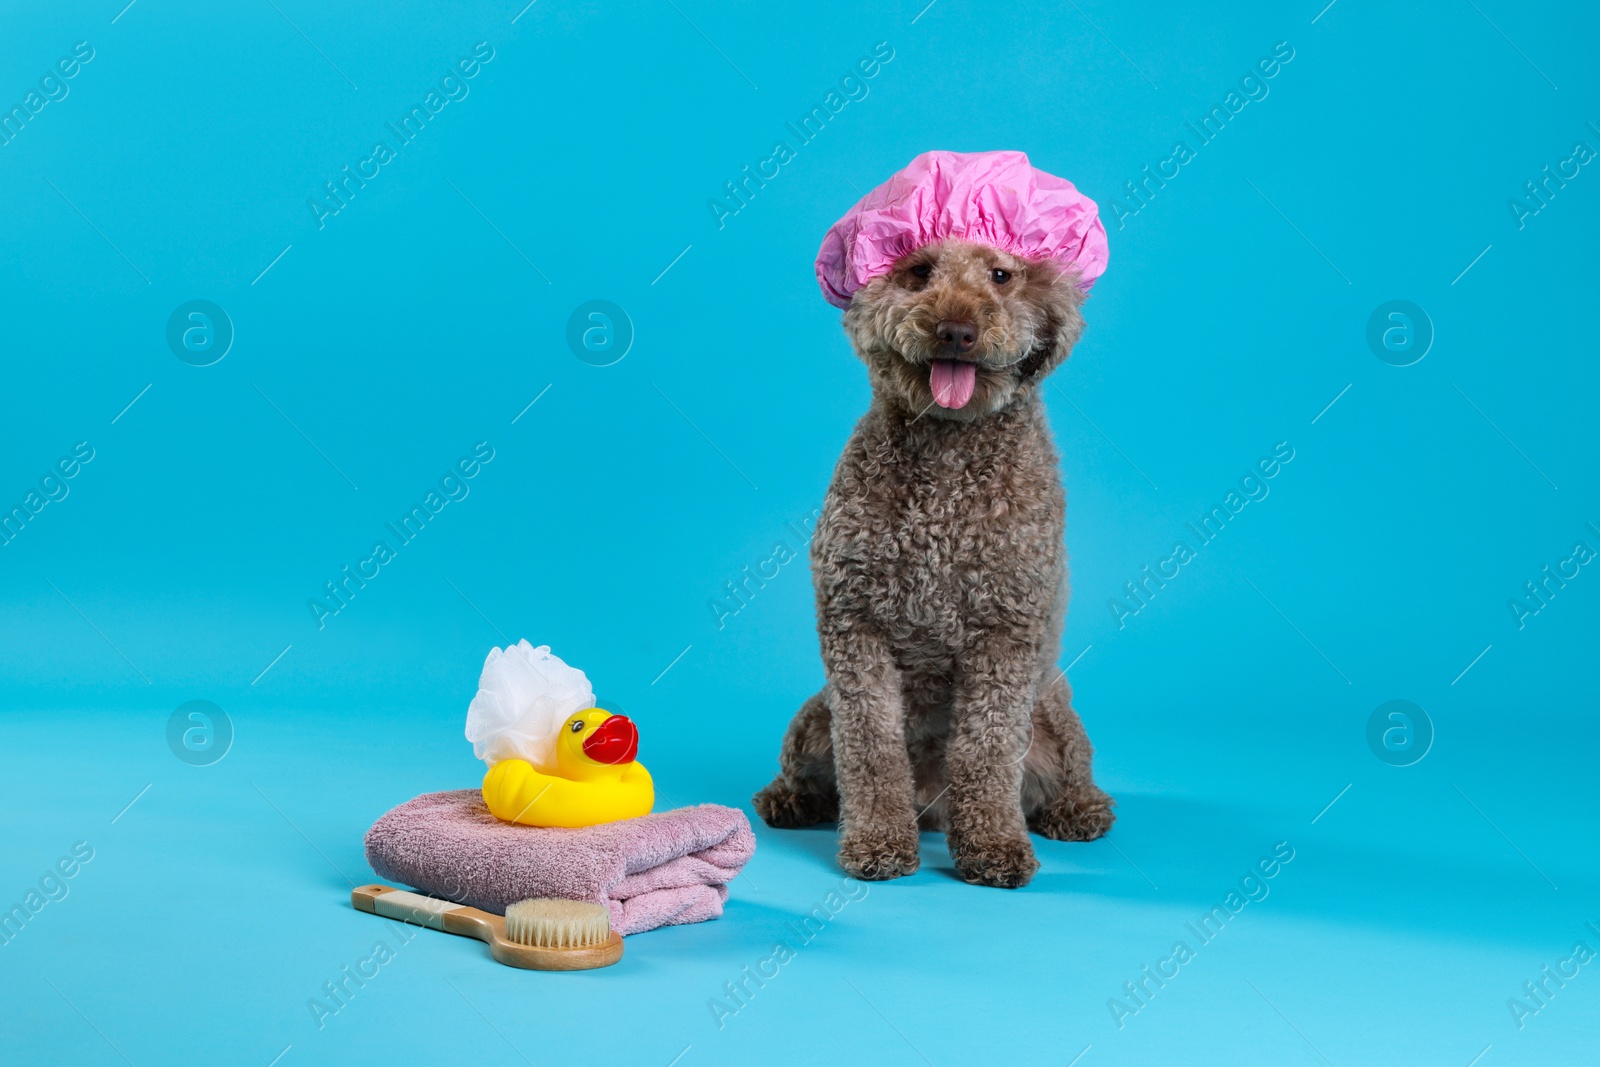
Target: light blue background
{"type": "Point", "coordinates": [429, 312]}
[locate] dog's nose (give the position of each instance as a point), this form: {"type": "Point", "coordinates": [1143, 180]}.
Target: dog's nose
{"type": "Point", "coordinates": [957, 336]}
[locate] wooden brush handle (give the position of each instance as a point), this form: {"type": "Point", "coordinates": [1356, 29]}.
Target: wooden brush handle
{"type": "Point", "coordinates": [419, 910]}
{"type": "Point", "coordinates": [436, 914]}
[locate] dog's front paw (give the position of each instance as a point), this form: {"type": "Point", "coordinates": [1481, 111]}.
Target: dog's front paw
{"type": "Point", "coordinates": [1004, 862]}
{"type": "Point", "coordinates": [875, 854]}
{"type": "Point", "coordinates": [785, 808]}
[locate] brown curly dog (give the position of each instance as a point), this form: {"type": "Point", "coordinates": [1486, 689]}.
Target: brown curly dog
{"type": "Point", "coordinates": [940, 573]}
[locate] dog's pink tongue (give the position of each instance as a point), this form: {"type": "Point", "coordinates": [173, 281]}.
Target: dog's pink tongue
{"type": "Point", "coordinates": [952, 382]}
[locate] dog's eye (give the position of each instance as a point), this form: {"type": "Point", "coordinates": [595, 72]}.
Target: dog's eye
{"type": "Point", "coordinates": [1000, 276]}
{"type": "Point", "coordinates": [922, 270]}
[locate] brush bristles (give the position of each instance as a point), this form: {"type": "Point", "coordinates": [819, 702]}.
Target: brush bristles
{"type": "Point", "coordinates": [557, 923]}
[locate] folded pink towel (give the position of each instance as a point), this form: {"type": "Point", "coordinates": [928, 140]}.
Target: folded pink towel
{"type": "Point", "coordinates": [657, 870]}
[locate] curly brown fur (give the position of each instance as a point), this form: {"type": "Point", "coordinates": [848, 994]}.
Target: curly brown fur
{"type": "Point", "coordinates": [940, 574]}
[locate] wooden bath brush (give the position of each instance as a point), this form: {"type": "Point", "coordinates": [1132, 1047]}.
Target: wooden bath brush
{"type": "Point", "coordinates": [539, 935]}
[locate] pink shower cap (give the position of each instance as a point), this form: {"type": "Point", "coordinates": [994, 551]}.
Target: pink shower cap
{"type": "Point", "coordinates": [992, 198]}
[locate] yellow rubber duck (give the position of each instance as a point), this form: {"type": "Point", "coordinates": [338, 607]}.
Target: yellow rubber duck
{"type": "Point", "coordinates": [596, 778]}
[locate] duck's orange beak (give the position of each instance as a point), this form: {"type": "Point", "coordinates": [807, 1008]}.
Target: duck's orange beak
{"type": "Point", "coordinates": [613, 742]}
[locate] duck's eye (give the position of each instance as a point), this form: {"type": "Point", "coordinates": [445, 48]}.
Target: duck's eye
{"type": "Point", "coordinates": [577, 726]}
{"type": "Point", "coordinates": [1000, 276]}
{"type": "Point", "coordinates": [922, 270]}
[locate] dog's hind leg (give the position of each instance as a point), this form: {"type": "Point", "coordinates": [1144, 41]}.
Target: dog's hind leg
{"type": "Point", "coordinates": [1059, 794]}
{"type": "Point", "coordinates": [806, 790]}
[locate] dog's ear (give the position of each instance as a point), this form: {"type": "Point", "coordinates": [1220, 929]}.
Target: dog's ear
{"type": "Point", "coordinates": [1056, 295]}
